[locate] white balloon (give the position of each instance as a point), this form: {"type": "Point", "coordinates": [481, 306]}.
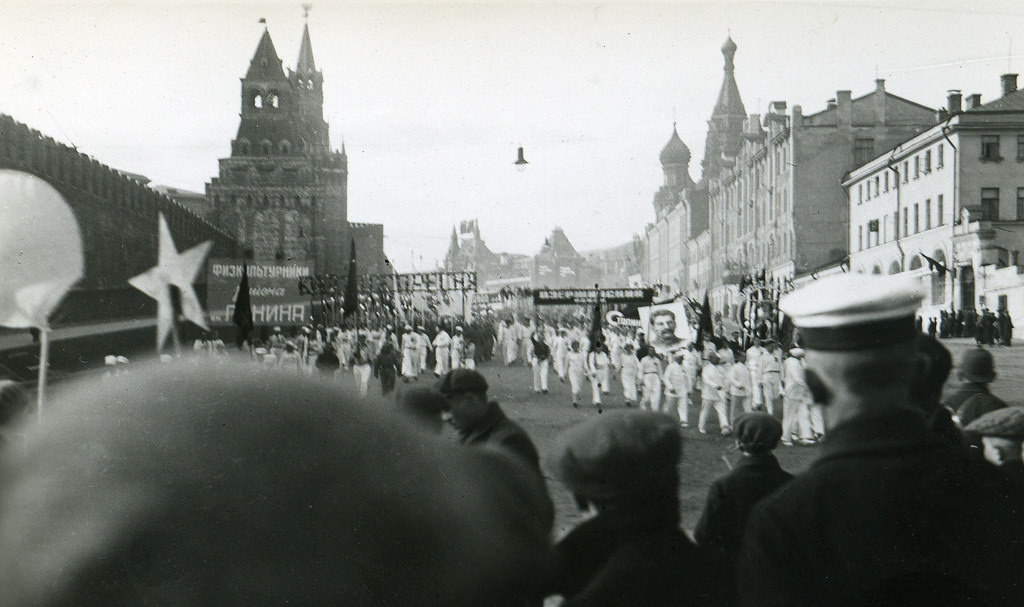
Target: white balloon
{"type": "Point", "coordinates": [40, 250]}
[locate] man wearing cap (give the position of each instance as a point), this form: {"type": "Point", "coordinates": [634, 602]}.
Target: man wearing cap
{"type": "Point", "coordinates": [410, 357]}
{"type": "Point", "coordinates": [976, 372]}
{"type": "Point", "coordinates": [623, 466]}
{"type": "Point", "coordinates": [480, 421]}
{"type": "Point", "coordinates": [1002, 432]}
{"type": "Point", "coordinates": [890, 514]}
{"type": "Point", "coordinates": [733, 496]}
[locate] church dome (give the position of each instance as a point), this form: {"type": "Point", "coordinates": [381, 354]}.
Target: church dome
{"type": "Point", "coordinates": [729, 47]}
{"type": "Point", "coordinates": [675, 151]}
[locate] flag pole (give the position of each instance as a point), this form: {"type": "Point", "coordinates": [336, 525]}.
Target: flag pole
{"type": "Point", "coordinates": [44, 362]}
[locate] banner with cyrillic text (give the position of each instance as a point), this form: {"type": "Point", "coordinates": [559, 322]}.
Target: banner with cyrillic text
{"type": "Point", "coordinates": [273, 289]}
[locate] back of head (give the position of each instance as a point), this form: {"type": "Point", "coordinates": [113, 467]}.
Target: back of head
{"type": "Point", "coordinates": [976, 365]}
{"type": "Point", "coordinates": [233, 488]}
{"type": "Point", "coordinates": [758, 432]}
{"type": "Point", "coordinates": [931, 373]}
{"type": "Point", "coordinates": [859, 335]}
{"type": "Point", "coordinates": [424, 406]}
{"type": "Point", "coordinates": [620, 457]}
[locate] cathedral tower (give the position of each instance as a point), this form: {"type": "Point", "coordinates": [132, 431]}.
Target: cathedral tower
{"type": "Point", "coordinates": [725, 129]}
{"type": "Point", "coordinates": [283, 193]}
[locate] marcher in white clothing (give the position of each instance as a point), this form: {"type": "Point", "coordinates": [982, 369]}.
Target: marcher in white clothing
{"type": "Point", "coordinates": [796, 401]}
{"type": "Point", "coordinates": [442, 347]}
{"type": "Point", "coordinates": [677, 389]}
{"type": "Point", "coordinates": [739, 389]}
{"type": "Point", "coordinates": [650, 372]}
{"type": "Point", "coordinates": [422, 347]}
{"type": "Point", "coordinates": [629, 366]}
{"type": "Point", "coordinates": [458, 344]}
{"type": "Point", "coordinates": [576, 369]}
{"type": "Point", "coordinates": [410, 357]}
{"type": "Point", "coordinates": [597, 367]}
{"type": "Point", "coordinates": [712, 395]}
{"type": "Point", "coordinates": [560, 348]}
{"type": "Point", "coordinates": [754, 363]}
{"type": "Point", "coordinates": [540, 359]}
{"type": "Point", "coordinates": [771, 382]}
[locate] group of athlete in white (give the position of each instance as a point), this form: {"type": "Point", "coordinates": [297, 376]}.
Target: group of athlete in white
{"type": "Point", "coordinates": [724, 382]}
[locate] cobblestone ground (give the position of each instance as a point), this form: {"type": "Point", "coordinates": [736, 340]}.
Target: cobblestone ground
{"type": "Point", "coordinates": [544, 416]}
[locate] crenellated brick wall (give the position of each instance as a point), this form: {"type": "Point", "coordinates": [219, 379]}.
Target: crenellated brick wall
{"type": "Point", "coordinates": [117, 215]}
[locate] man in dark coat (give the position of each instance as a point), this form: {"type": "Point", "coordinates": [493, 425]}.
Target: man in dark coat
{"type": "Point", "coordinates": [481, 421]}
{"type": "Point", "coordinates": [889, 514]}
{"type": "Point", "coordinates": [386, 367]}
{"type": "Point", "coordinates": [732, 497]}
{"type": "Point", "coordinates": [624, 466]}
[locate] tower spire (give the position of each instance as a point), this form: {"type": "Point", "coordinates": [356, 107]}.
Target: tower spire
{"type": "Point", "coordinates": [306, 65]}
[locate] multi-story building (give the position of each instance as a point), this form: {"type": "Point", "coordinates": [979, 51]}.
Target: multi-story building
{"type": "Point", "coordinates": [777, 205]}
{"type": "Point", "coordinates": [947, 206]}
{"type": "Point", "coordinates": [283, 192]}
{"type": "Point", "coordinates": [770, 195]}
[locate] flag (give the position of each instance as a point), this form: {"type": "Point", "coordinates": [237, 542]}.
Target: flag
{"type": "Point", "coordinates": [595, 324]}
{"type": "Point", "coordinates": [704, 328]}
{"type": "Point", "coordinates": [242, 316]}
{"type": "Point", "coordinates": [351, 306]}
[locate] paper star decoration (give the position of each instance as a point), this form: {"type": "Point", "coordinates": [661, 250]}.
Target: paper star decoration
{"type": "Point", "coordinates": [173, 269]}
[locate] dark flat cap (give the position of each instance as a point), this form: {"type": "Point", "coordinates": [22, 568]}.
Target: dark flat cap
{"type": "Point", "coordinates": [619, 454]}
{"type": "Point", "coordinates": [758, 432]}
{"type": "Point", "coordinates": [458, 381]}
{"type": "Point", "coordinates": [1007, 422]}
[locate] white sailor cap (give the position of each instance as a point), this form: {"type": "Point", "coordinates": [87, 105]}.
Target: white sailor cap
{"type": "Point", "coordinates": [854, 311]}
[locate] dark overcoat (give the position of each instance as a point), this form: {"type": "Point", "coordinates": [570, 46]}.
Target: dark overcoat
{"type": "Point", "coordinates": [889, 515]}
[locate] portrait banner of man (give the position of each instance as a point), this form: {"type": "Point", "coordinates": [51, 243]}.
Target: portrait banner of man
{"type": "Point", "coordinates": [667, 326]}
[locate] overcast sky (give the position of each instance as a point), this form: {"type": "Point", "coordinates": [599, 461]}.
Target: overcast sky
{"type": "Point", "coordinates": [432, 99]}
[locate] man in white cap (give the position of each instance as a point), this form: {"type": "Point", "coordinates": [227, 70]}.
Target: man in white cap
{"type": "Point", "coordinates": [889, 514]}
{"type": "Point", "coordinates": [442, 349]}
{"type": "Point", "coordinates": [458, 347]}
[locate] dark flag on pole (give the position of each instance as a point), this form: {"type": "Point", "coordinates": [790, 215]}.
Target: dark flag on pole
{"type": "Point", "coordinates": [705, 330]}
{"type": "Point", "coordinates": [595, 325]}
{"type": "Point", "coordinates": [242, 316]}
{"type": "Point", "coordinates": [351, 305]}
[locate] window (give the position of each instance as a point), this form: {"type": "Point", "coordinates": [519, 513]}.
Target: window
{"type": "Point", "coordinates": [927, 162]}
{"type": "Point", "coordinates": [990, 204]}
{"type": "Point", "coordinates": [860, 193]}
{"type": "Point", "coordinates": [906, 221]}
{"type": "Point", "coordinates": [863, 150]}
{"type": "Point", "coordinates": [887, 181]}
{"type": "Point", "coordinates": [938, 211]}
{"type": "Point", "coordinates": [938, 161]}
{"type": "Point", "coordinates": [990, 147]}
{"type": "Point", "coordinates": [1020, 204]}
{"type": "Point", "coordinates": [860, 238]}
{"type": "Point", "coordinates": [917, 218]}
{"type": "Point", "coordinates": [917, 167]}
{"type": "Point", "coordinates": [1020, 148]}
{"type": "Point", "coordinates": [906, 172]}
{"type": "Point", "coordinates": [928, 214]}
{"type": "Point", "coordinates": [257, 101]}
{"type": "Point", "coordinates": [877, 178]}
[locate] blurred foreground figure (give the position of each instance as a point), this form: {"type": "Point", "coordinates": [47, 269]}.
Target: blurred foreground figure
{"type": "Point", "coordinates": [1002, 433]}
{"type": "Point", "coordinates": [890, 513]}
{"type": "Point", "coordinates": [624, 466]}
{"type": "Point", "coordinates": [230, 488]}
{"type": "Point", "coordinates": [732, 497]}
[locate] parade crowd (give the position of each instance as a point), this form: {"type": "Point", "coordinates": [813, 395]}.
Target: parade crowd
{"type": "Point", "coordinates": [262, 483]}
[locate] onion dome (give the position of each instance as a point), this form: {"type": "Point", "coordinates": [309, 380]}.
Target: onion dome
{"type": "Point", "coordinates": [675, 151]}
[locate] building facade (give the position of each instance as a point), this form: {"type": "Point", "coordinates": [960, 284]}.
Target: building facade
{"type": "Point", "coordinates": [770, 197]}
{"type": "Point", "coordinates": [947, 206]}
{"type": "Point", "coordinates": [283, 192]}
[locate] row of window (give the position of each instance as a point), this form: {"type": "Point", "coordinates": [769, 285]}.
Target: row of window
{"type": "Point", "coordinates": [989, 208]}
{"type": "Point", "coordinates": [265, 147]}
{"type": "Point", "coordinates": [990, 148]}
{"type": "Point", "coordinates": [874, 233]}
{"type": "Point", "coordinates": [922, 164]}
